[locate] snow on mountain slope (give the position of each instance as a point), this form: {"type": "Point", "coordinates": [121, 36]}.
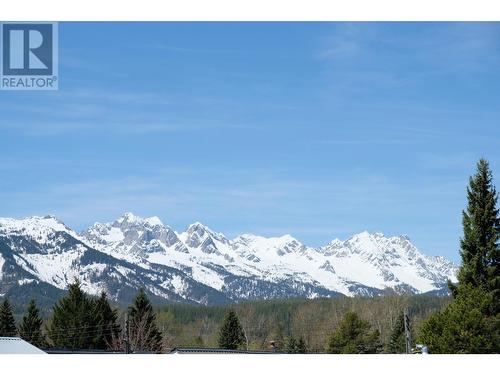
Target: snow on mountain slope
{"type": "Point", "coordinates": [46, 251]}
{"type": "Point", "coordinates": [366, 261]}
{"type": "Point", "coordinates": [42, 247]}
{"type": "Point", "coordinates": [36, 228]}
{"type": "Point", "coordinates": [133, 236]}
{"type": "Point", "coordinates": [2, 262]}
{"type": "Point", "coordinates": [204, 266]}
{"type": "Point", "coordinates": [387, 262]}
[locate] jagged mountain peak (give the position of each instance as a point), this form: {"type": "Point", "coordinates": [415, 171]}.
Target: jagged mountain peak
{"type": "Point", "coordinates": [334, 243]}
{"type": "Point", "coordinates": [203, 230]}
{"type": "Point", "coordinates": [199, 228]}
{"type": "Point", "coordinates": [286, 238]}
{"type": "Point", "coordinates": [134, 235]}
{"type": "Point", "coordinates": [130, 218]}
{"type": "Point", "coordinates": [404, 237]}
{"type": "Point", "coordinates": [128, 221]}
{"type": "Point", "coordinates": [281, 245]}
{"type": "Point", "coordinates": [200, 236]}
{"type": "Point", "coordinates": [365, 242]}
{"type": "Point", "coordinates": [367, 236]}
{"type": "Point", "coordinates": [375, 242]}
{"type": "Point", "coordinates": [248, 266]}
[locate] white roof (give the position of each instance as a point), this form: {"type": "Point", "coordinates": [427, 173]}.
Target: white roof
{"type": "Point", "coordinates": [16, 345]}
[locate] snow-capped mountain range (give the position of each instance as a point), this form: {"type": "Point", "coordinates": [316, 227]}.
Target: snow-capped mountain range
{"type": "Point", "coordinates": [41, 256]}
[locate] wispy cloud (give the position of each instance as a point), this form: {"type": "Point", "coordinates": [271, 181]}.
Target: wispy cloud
{"type": "Point", "coordinates": [106, 111]}
{"type": "Point", "coordinates": [440, 48]}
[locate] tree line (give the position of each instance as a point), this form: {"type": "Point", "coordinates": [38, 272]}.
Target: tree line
{"type": "Point", "coordinates": [83, 322]}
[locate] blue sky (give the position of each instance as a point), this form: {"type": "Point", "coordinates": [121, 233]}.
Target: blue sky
{"type": "Point", "coordinates": [320, 130]}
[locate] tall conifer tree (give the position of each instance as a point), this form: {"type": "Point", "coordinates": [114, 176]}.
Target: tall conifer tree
{"type": "Point", "coordinates": [480, 247]}
{"type": "Point", "coordinates": [397, 340]}
{"type": "Point", "coordinates": [144, 334]}
{"type": "Point", "coordinates": [471, 323]}
{"type": "Point", "coordinates": [31, 327]}
{"type": "Point", "coordinates": [107, 329]}
{"type": "Point", "coordinates": [73, 323]}
{"type": "Point", "coordinates": [231, 335]}
{"type": "Point", "coordinates": [7, 322]}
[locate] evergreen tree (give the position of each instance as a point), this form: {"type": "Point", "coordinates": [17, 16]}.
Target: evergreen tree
{"type": "Point", "coordinates": [480, 247]}
{"type": "Point", "coordinates": [397, 340]}
{"type": "Point", "coordinates": [231, 335]}
{"type": "Point", "coordinates": [463, 326]}
{"type": "Point", "coordinates": [73, 323]}
{"type": "Point", "coordinates": [471, 323]}
{"type": "Point", "coordinates": [354, 336]}
{"type": "Point", "coordinates": [31, 327]}
{"type": "Point", "coordinates": [107, 329]}
{"type": "Point", "coordinates": [7, 322]}
{"type": "Point", "coordinates": [144, 334]}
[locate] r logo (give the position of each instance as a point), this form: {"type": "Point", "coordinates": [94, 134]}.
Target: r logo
{"type": "Point", "coordinates": [27, 49]}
